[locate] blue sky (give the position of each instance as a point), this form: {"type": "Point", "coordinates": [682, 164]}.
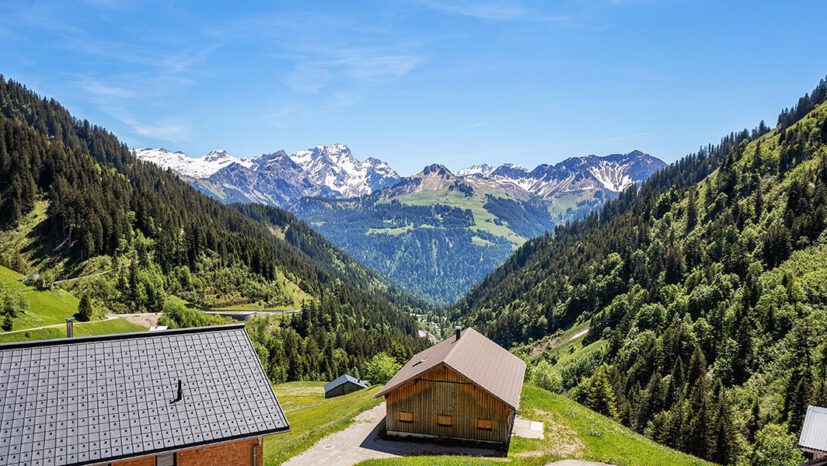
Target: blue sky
{"type": "Point", "coordinates": [419, 81]}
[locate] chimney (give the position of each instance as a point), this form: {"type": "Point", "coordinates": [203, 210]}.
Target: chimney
{"type": "Point", "coordinates": [458, 332]}
{"type": "Point", "coordinates": [70, 327]}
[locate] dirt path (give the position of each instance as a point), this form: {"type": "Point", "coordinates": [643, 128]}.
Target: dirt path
{"type": "Point", "coordinates": [554, 342]}
{"type": "Point", "coordinates": [360, 442]}
{"type": "Point", "coordinates": [146, 319]}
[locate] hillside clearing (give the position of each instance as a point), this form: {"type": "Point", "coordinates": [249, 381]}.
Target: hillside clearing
{"type": "Point", "coordinates": [46, 307]}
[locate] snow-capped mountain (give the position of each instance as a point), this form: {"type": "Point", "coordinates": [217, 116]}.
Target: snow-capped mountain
{"type": "Point", "coordinates": [612, 173]}
{"type": "Point", "coordinates": [481, 170]}
{"type": "Point", "coordinates": [334, 167]}
{"type": "Point", "coordinates": [278, 178]}
{"type": "Point", "coordinates": [187, 166]}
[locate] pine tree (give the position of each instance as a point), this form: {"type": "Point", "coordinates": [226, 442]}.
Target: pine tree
{"type": "Point", "coordinates": [691, 210]}
{"type": "Point", "coordinates": [650, 403]}
{"type": "Point", "coordinates": [699, 436]}
{"type": "Point", "coordinates": [677, 382]}
{"type": "Point", "coordinates": [85, 309]}
{"type": "Point", "coordinates": [725, 435]}
{"type": "Point", "coordinates": [754, 422]}
{"type": "Point", "coordinates": [799, 388]}
{"type": "Point", "coordinates": [697, 366]}
{"type": "Point", "coordinates": [600, 396]}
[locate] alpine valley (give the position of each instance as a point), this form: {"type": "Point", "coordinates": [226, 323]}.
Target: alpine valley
{"type": "Point", "coordinates": [435, 233]}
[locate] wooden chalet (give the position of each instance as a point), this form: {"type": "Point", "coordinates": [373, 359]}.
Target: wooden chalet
{"type": "Point", "coordinates": [466, 387]}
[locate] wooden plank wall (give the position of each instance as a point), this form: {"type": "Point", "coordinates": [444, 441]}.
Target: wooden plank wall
{"type": "Point", "coordinates": [444, 392]}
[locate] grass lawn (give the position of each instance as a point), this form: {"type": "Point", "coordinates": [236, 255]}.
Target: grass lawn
{"type": "Point", "coordinates": [82, 329]}
{"type": "Point", "coordinates": [572, 431]}
{"type": "Point", "coordinates": [312, 417]}
{"type": "Point", "coordinates": [46, 307]}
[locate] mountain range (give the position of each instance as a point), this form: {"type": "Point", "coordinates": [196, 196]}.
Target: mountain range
{"type": "Point", "coordinates": [436, 233]}
{"type": "Point", "coordinates": [277, 179]}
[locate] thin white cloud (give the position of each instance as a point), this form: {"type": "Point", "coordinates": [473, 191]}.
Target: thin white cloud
{"type": "Point", "coordinates": [496, 10]}
{"type": "Point", "coordinates": [172, 130]}
{"type": "Point", "coordinates": [314, 68]}
{"type": "Point", "coordinates": [100, 91]}
{"type": "Point", "coordinates": [475, 125]}
{"type": "Point", "coordinates": [346, 99]}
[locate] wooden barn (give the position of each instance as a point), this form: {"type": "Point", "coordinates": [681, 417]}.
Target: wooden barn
{"type": "Point", "coordinates": [343, 385]}
{"type": "Point", "coordinates": [466, 387]}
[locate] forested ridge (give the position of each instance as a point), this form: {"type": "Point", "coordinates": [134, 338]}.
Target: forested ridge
{"type": "Point", "coordinates": [704, 290]}
{"type": "Point", "coordinates": [409, 243]}
{"type": "Point", "coordinates": [156, 237]}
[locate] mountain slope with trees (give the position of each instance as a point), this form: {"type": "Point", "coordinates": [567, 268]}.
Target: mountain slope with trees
{"type": "Point", "coordinates": [438, 234]}
{"type": "Point", "coordinates": [148, 235]}
{"type": "Point", "coordinates": [705, 287]}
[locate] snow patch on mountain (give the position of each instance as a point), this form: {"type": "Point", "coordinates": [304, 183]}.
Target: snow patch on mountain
{"type": "Point", "coordinates": [611, 176]}
{"type": "Point", "coordinates": [188, 166]}
{"type": "Point", "coordinates": [481, 170]}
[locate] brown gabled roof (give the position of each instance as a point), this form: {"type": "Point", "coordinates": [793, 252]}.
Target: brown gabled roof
{"type": "Point", "coordinates": [484, 362]}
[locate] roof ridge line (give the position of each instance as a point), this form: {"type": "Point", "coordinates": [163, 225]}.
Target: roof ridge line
{"type": "Point", "coordinates": [118, 336]}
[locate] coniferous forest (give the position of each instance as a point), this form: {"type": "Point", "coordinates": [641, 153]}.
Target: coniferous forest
{"type": "Point", "coordinates": [703, 290]}
{"type": "Point", "coordinates": [152, 240]}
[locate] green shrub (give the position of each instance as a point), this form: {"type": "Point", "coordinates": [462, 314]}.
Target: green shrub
{"type": "Point", "coordinates": [381, 368]}
{"type": "Point", "coordinates": [544, 376]}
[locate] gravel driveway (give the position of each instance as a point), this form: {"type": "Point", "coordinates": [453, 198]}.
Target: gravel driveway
{"type": "Point", "coordinates": [360, 442]}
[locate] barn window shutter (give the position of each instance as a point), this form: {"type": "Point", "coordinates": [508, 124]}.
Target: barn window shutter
{"type": "Point", "coordinates": [406, 416]}
{"type": "Point", "coordinates": [445, 420]}
{"type": "Point", "coordinates": [485, 424]}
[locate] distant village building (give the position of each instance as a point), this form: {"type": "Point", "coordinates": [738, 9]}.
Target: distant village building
{"type": "Point", "coordinates": [176, 397]}
{"type": "Point", "coordinates": [465, 387]}
{"type": "Point", "coordinates": [813, 438]}
{"type": "Point", "coordinates": [343, 385]}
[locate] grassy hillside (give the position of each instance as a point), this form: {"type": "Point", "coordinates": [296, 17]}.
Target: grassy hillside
{"type": "Point", "coordinates": [571, 431]}
{"type": "Point", "coordinates": [46, 312]}
{"type": "Point", "coordinates": [312, 417]}
{"type": "Point", "coordinates": [46, 307]}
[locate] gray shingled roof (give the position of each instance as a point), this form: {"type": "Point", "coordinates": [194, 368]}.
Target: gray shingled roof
{"type": "Point", "coordinates": [814, 431]}
{"type": "Point", "coordinates": [342, 379]}
{"type": "Point", "coordinates": [96, 399]}
{"type": "Point", "coordinates": [484, 362]}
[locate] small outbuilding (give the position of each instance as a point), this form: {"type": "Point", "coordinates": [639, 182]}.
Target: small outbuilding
{"type": "Point", "coordinates": [465, 387]}
{"type": "Point", "coordinates": [343, 385]}
{"type": "Point", "coordinates": [813, 438]}
{"type": "Point", "coordinates": [172, 397]}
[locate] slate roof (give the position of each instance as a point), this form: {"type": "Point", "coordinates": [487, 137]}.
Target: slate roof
{"type": "Point", "coordinates": [343, 379]}
{"type": "Point", "coordinates": [97, 399]}
{"type": "Point", "coordinates": [814, 431]}
{"type": "Point", "coordinates": [484, 362]}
